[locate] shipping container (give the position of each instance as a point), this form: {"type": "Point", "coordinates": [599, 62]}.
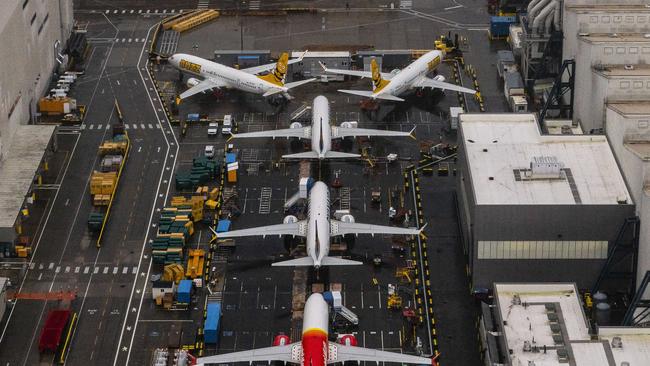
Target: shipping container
{"type": "Point", "coordinates": [231, 158]}
{"type": "Point", "coordinates": [500, 25]}
{"type": "Point", "coordinates": [211, 326]}
{"type": "Point", "coordinates": [223, 226]}
{"type": "Point", "coordinates": [184, 291]}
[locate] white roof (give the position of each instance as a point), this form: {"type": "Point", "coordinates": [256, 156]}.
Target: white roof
{"type": "Point", "coordinates": [319, 54]}
{"type": "Point", "coordinates": [500, 146]}
{"type": "Point", "coordinates": [18, 168]}
{"type": "Point", "coordinates": [525, 323]}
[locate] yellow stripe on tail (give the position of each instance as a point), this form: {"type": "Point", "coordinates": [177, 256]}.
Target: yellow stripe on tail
{"type": "Point", "coordinates": [277, 76]}
{"type": "Point", "coordinates": [377, 82]}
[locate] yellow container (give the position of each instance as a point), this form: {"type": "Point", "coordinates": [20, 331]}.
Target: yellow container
{"type": "Point", "coordinates": [214, 193]}
{"type": "Point", "coordinates": [211, 204]}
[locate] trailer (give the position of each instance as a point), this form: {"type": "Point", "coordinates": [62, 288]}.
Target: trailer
{"type": "Point", "coordinates": [56, 323]}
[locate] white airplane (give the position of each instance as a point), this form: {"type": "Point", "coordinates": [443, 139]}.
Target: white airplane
{"type": "Point", "coordinates": [321, 133]}
{"type": "Point", "coordinates": [314, 349]}
{"type": "Point", "coordinates": [216, 75]}
{"type": "Point", "coordinates": [318, 228]}
{"type": "Point", "coordinates": [389, 86]}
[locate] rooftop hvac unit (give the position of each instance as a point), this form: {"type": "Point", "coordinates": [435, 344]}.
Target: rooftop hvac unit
{"type": "Point", "coordinates": [545, 167]}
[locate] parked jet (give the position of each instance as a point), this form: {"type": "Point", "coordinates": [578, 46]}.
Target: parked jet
{"type": "Point", "coordinates": [218, 76]}
{"type": "Point", "coordinates": [315, 349]}
{"type": "Point", "coordinates": [321, 133]}
{"type": "Point", "coordinates": [318, 228]}
{"type": "Point", "coordinates": [389, 86]}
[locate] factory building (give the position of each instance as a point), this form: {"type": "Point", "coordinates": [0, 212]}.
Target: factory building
{"type": "Point", "coordinates": [536, 207]}
{"type": "Point", "coordinates": [309, 67]}
{"type": "Point", "coordinates": [595, 52]}
{"type": "Point", "coordinates": [32, 33]}
{"type": "Point", "coordinates": [545, 324]}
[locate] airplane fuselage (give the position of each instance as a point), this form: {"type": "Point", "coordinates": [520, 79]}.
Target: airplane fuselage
{"type": "Point", "coordinates": [318, 231]}
{"type": "Point", "coordinates": [405, 79]}
{"type": "Point", "coordinates": [221, 74]}
{"type": "Point", "coordinates": [314, 331]}
{"type": "Point", "coordinates": [321, 132]}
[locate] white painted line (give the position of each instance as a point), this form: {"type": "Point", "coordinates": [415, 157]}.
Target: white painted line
{"type": "Point", "coordinates": [135, 270]}
{"type": "Point", "coordinates": [51, 265]}
{"type": "Point", "coordinates": [126, 126]}
{"type": "Point", "coordinates": [96, 270]}
{"type": "Point", "coordinates": [115, 269]}
{"type": "Point", "coordinates": [123, 11]}
{"type": "Point", "coordinates": [115, 12]}
{"type": "Point", "coordinates": [142, 125]}
{"type": "Point", "coordinates": [40, 266]}
{"type": "Point", "coordinates": [150, 126]}
{"type": "Point", "coordinates": [100, 126]}
{"type": "Point", "coordinates": [135, 126]}
{"type": "Point", "coordinates": [77, 269]}
{"type": "Point", "coordinates": [58, 269]}
{"type": "Point", "coordinates": [117, 82]}
{"type": "Point", "coordinates": [91, 127]}
{"type": "Point", "coordinates": [130, 40]}
{"type": "Point", "coordinates": [105, 270]}
{"type": "Point", "coordinates": [67, 269]}
{"type": "Point", "coordinates": [108, 125]}
{"type": "Point", "coordinates": [140, 11]}
{"type": "Point", "coordinates": [454, 7]}
{"type": "Point", "coordinates": [108, 11]}
{"type": "Point", "coordinates": [125, 270]}
{"type": "Point", "coordinates": [123, 40]}
{"type": "Point", "coordinates": [32, 265]}
{"type": "Point", "coordinates": [82, 127]}
{"type": "Point", "coordinates": [86, 270]}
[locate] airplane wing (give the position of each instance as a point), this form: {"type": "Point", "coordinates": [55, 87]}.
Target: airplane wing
{"type": "Point", "coordinates": [207, 84]}
{"type": "Point", "coordinates": [343, 228]}
{"type": "Point", "coordinates": [268, 67]}
{"type": "Point", "coordinates": [340, 132]}
{"type": "Point", "coordinates": [426, 82]}
{"type": "Point", "coordinates": [289, 353]}
{"type": "Point", "coordinates": [341, 353]}
{"type": "Point", "coordinates": [295, 228]}
{"type": "Point", "coordinates": [302, 132]}
{"type": "Point", "coordinates": [358, 73]}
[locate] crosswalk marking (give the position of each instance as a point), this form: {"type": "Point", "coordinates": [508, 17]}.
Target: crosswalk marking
{"type": "Point", "coordinates": [203, 4]}
{"type": "Point", "coordinates": [86, 270]}
{"type": "Point", "coordinates": [51, 265]}
{"type": "Point", "coordinates": [40, 266]}
{"type": "Point", "coordinates": [82, 127]}
{"type": "Point", "coordinates": [67, 269]}
{"type": "Point", "coordinates": [135, 126]}
{"type": "Point", "coordinates": [105, 270]}
{"type": "Point", "coordinates": [157, 126]}
{"type": "Point", "coordinates": [115, 270]}
{"type": "Point", "coordinates": [96, 270]}
{"type": "Point", "coordinates": [32, 265]}
{"type": "Point", "coordinates": [58, 269]}
{"type": "Point", "coordinates": [77, 269]}
{"type": "Point", "coordinates": [150, 126]}
{"type": "Point", "coordinates": [125, 270]}
{"type": "Point", "coordinates": [100, 126]}
{"type": "Point", "coordinates": [108, 125]}
{"type": "Point", "coordinates": [135, 270]}
{"type": "Point", "coordinates": [142, 125]}
{"type": "Point", "coordinates": [91, 127]}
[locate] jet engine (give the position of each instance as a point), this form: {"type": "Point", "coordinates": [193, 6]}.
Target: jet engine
{"type": "Point", "coordinates": [192, 82]}
{"type": "Point", "coordinates": [281, 340]}
{"type": "Point", "coordinates": [295, 125]}
{"type": "Point", "coordinates": [348, 340]}
{"type": "Point", "coordinates": [290, 219]}
{"type": "Point", "coordinates": [347, 218]}
{"type": "Point", "coordinates": [439, 78]}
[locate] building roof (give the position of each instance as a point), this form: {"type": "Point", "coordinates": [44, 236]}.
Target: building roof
{"type": "Point", "coordinates": [626, 71]}
{"type": "Point", "coordinates": [615, 37]}
{"type": "Point", "coordinates": [524, 314]}
{"type": "Point", "coordinates": [501, 147]}
{"type": "Point", "coordinates": [608, 8]}
{"type": "Point", "coordinates": [631, 108]}
{"type": "Point", "coordinates": [18, 167]}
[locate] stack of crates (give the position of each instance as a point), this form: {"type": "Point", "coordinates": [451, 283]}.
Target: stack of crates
{"type": "Point", "coordinates": [194, 204]}
{"type": "Point", "coordinates": [168, 249]}
{"type": "Point", "coordinates": [174, 229]}
{"type": "Point", "coordinates": [111, 163]}
{"type": "Point", "coordinates": [203, 169]}
{"type": "Point", "coordinates": [101, 187]}
{"type": "Point", "coordinates": [116, 147]}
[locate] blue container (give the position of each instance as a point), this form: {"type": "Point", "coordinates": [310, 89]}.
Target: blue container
{"type": "Point", "coordinates": [500, 26]}
{"type": "Point", "coordinates": [223, 226]}
{"type": "Point", "coordinates": [193, 117]}
{"type": "Point", "coordinates": [211, 326]}
{"type": "Point", "coordinates": [184, 291]}
{"type": "Point", "coordinates": [327, 295]}
{"type": "Point", "coordinates": [231, 158]}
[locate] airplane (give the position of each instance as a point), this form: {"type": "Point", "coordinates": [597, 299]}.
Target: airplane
{"type": "Point", "coordinates": [388, 86]}
{"type": "Point", "coordinates": [215, 75]}
{"type": "Point", "coordinates": [318, 228]}
{"type": "Point", "coordinates": [314, 349]}
{"type": "Point", "coordinates": [321, 133]}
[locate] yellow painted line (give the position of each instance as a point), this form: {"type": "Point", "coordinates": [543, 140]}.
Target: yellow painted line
{"type": "Point", "coordinates": [71, 329]}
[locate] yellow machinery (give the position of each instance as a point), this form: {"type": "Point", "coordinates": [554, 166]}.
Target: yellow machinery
{"type": "Point", "coordinates": [394, 302]}
{"type": "Point", "coordinates": [444, 44]}
{"type": "Point", "coordinates": [404, 274]}
{"type": "Point", "coordinates": [195, 263]}
{"type": "Point", "coordinates": [173, 272]}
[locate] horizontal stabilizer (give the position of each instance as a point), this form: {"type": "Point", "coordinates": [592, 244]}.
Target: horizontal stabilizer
{"type": "Point", "coordinates": [298, 83]}
{"type": "Point", "coordinates": [369, 94]}
{"type": "Point", "coordinates": [298, 262]}
{"type": "Point", "coordinates": [302, 155]}
{"type": "Point", "coordinates": [340, 155]}
{"type": "Point", "coordinates": [333, 261]}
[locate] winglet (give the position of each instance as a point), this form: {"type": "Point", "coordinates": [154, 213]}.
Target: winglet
{"type": "Point", "coordinates": [302, 55]}
{"type": "Point", "coordinates": [421, 233]}
{"type": "Point", "coordinates": [411, 135]}
{"type": "Point", "coordinates": [322, 65]}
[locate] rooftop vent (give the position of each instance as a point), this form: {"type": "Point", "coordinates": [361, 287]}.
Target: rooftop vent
{"type": "Point", "coordinates": [545, 167]}
{"type": "Point", "coordinates": [583, 34]}
{"type": "Point", "coordinates": [613, 35]}
{"type": "Point", "coordinates": [516, 300]}
{"type": "Point", "coordinates": [527, 346]}
{"type": "Point", "coordinates": [628, 67]}
{"type": "Point", "coordinates": [617, 342]}
{"type": "Point", "coordinates": [562, 355]}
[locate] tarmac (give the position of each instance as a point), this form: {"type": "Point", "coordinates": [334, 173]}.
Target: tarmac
{"type": "Point", "coordinates": [119, 323]}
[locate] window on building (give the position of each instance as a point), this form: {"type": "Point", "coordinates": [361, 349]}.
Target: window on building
{"type": "Point", "coordinates": [637, 84]}
{"type": "Point", "coordinates": [629, 19]}
{"type": "Point", "coordinates": [625, 85]}
{"type": "Point", "coordinates": [643, 123]}
{"type": "Point", "coordinates": [31, 22]}
{"type": "Point", "coordinates": [606, 19]}
{"type": "Point", "coordinates": [634, 50]}
{"type": "Point", "coordinates": [620, 50]}
{"type": "Point", "coordinates": [618, 19]}
{"type": "Point", "coordinates": [561, 249]}
{"type": "Point", "coordinates": [640, 19]}
{"type": "Point", "coordinates": [645, 50]}
{"type": "Point", "coordinates": [609, 50]}
{"type": "Point", "coordinates": [25, 4]}
{"type": "Point", "coordinates": [593, 19]}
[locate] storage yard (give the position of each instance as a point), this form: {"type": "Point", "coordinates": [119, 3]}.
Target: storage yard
{"type": "Point", "coordinates": [158, 210]}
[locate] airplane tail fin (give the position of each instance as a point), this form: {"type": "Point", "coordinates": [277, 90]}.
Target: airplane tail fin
{"type": "Point", "coordinates": [369, 94]}
{"type": "Point", "coordinates": [377, 82]}
{"type": "Point", "coordinates": [277, 75]}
